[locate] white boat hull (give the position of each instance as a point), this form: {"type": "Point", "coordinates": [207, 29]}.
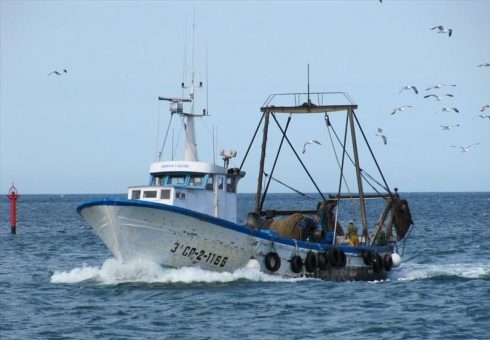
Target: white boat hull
{"type": "Point", "coordinates": [177, 237]}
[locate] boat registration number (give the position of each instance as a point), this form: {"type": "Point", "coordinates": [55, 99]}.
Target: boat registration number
{"type": "Point", "coordinates": [199, 255]}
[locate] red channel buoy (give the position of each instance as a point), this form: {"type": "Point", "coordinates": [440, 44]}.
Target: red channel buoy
{"type": "Point", "coordinates": [13, 196]}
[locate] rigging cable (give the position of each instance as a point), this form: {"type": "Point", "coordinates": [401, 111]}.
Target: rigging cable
{"type": "Point", "coordinates": [297, 156]}
{"type": "Point", "coordinates": [327, 122]}
{"type": "Point", "coordinates": [166, 135]}
{"type": "Point", "coordinates": [341, 174]}
{"type": "Point", "coordinates": [372, 154]}
{"type": "Point", "coordinates": [274, 165]}
{"type": "Point", "coordinates": [251, 142]}
{"type": "Point", "coordinates": [352, 161]}
{"type": "Point", "coordinates": [289, 187]}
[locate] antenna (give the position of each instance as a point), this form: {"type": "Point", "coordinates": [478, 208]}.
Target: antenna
{"type": "Point", "coordinates": [207, 83]}
{"type": "Point", "coordinates": [308, 72]}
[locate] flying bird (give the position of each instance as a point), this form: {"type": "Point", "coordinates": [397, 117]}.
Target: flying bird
{"type": "Point", "coordinates": [484, 116]}
{"type": "Point", "coordinates": [484, 107]}
{"type": "Point", "coordinates": [441, 29]}
{"type": "Point", "coordinates": [401, 108]}
{"type": "Point", "coordinates": [463, 148]}
{"type": "Point", "coordinates": [484, 65]}
{"type": "Point", "coordinates": [448, 127]}
{"type": "Point", "coordinates": [310, 142]}
{"type": "Point", "coordinates": [438, 98]}
{"type": "Point", "coordinates": [58, 73]}
{"type": "Point", "coordinates": [447, 109]}
{"type": "Point", "coordinates": [409, 87]}
{"type": "Point", "coordinates": [382, 135]}
{"type": "Point", "coordinates": [438, 86]}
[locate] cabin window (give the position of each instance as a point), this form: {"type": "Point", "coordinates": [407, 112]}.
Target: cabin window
{"type": "Point", "coordinates": [220, 183]}
{"type": "Point", "coordinates": [180, 195]}
{"type": "Point", "coordinates": [209, 182]}
{"type": "Point", "coordinates": [150, 194]}
{"type": "Point", "coordinates": [230, 184]}
{"type": "Point", "coordinates": [135, 194]}
{"type": "Point", "coordinates": [176, 180]}
{"type": "Point", "coordinates": [196, 181]}
{"type": "Point", "coordinates": [157, 180]}
{"type": "Point", "coordinates": [165, 194]}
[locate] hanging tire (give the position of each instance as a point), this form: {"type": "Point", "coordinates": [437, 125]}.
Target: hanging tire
{"type": "Point", "coordinates": [368, 256]}
{"type": "Point", "coordinates": [323, 260]}
{"type": "Point", "coordinates": [332, 255]}
{"type": "Point", "coordinates": [311, 262]}
{"type": "Point", "coordinates": [342, 259]}
{"type": "Point", "coordinates": [377, 263]}
{"type": "Point", "coordinates": [336, 257]}
{"type": "Point", "coordinates": [388, 262]}
{"type": "Point", "coordinates": [272, 261]}
{"type": "Point", "coordinates": [296, 264]}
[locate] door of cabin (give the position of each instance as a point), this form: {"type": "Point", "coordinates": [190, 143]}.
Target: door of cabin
{"type": "Point", "coordinates": [220, 190]}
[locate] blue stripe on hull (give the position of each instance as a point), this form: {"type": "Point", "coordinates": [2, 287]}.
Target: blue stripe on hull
{"type": "Point", "coordinates": [222, 223]}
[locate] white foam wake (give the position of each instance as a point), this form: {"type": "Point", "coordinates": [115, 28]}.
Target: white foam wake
{"type": "Point", "coordinates": [114, 272]}
{"type": "Point", "coordinates": [415, 271]}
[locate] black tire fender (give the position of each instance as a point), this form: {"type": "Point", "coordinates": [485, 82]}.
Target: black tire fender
{"type": "Point", "coordinates": [296, 264]}
{"type": "Point", "coordinates": [272, 261]}
{"type": "Point", "coordinates": [368, 256]}
{"type": "Point", "coordinates": [388, 262]}
{"type": "Point", "coordinates": [377, 263]}
{"type": "Point", "coordinates": [311, 262]}
{"type": "Point", "coordinates": [323, 260]}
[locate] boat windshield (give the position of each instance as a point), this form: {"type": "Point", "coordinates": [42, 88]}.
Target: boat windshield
{"type": "Point", "coordinates": [184, 180]}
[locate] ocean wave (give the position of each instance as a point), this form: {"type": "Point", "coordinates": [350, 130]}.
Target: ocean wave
{"type": "Point", "coordinates": [144, 271]}
{"type": "Point", "coordinates": [415, 271]}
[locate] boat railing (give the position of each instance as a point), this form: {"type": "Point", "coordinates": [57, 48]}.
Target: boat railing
{"type": "Point", "coordinates": [312, 102]}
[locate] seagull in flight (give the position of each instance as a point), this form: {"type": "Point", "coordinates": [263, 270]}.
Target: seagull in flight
{"type": "Point", "coordinates": [441, 29]}
{"type": "Point", "coordinates": [484, 107]}
{"type": "Point", "coordinates": [448, 127]}
{"type": "Point", "coordinates": [484, 65]}
{"type": "Point", "coordinates": [463, 148]}
{"type": "Point", "coordinates": [447, 109]}
{"type": "Point", "coordinates": [58, 73]}
{"type": "Point", "coordinates": [438, 86]}
{"type": "Point", "coordinates": [409, 87]}
{"type": "Point", "coordinates": [310, 142]}
{"type": "Point", "coordinates": [438, 98]}
{"type": "Point", "coordinates": [484, 116]}
{"type": "Point", "coordinates": [401, 108]}
{"type": "Point", "coordinates": [382, 135]}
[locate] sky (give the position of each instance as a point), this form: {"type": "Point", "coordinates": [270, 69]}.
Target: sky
{"type": "Point", "coordinates": [97, 128]}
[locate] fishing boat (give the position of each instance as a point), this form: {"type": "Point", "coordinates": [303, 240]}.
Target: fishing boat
{"type": "Point", "coordinates": [187, 214]}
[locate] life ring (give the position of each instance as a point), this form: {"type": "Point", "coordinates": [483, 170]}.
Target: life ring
{"type": "Point", "coordinates": [296, 264]}
{"type": "Point", "coordinates": [322, 261]}
{"type": "Point", "coordinates": [272, 261]}
{"type": "Point", "coordinates": [368, 256]}
{"type": "Point", "coordinates": [377, 263]}
{"type": "Point", "coordinates": [311, 261]}
{"type": "Point", "coordinates": [388, 262]}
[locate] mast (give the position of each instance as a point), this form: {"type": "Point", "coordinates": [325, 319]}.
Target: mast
{"type": "Point", "coordinates": [190, 153]}
{"type": "Point", "coordinates": [358, 175]}
{"type": "Point", "coordinates": [262, 161]}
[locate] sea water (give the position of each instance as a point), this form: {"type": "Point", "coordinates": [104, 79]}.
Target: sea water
{"type": "Point", "coordinates": [58, 281]}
